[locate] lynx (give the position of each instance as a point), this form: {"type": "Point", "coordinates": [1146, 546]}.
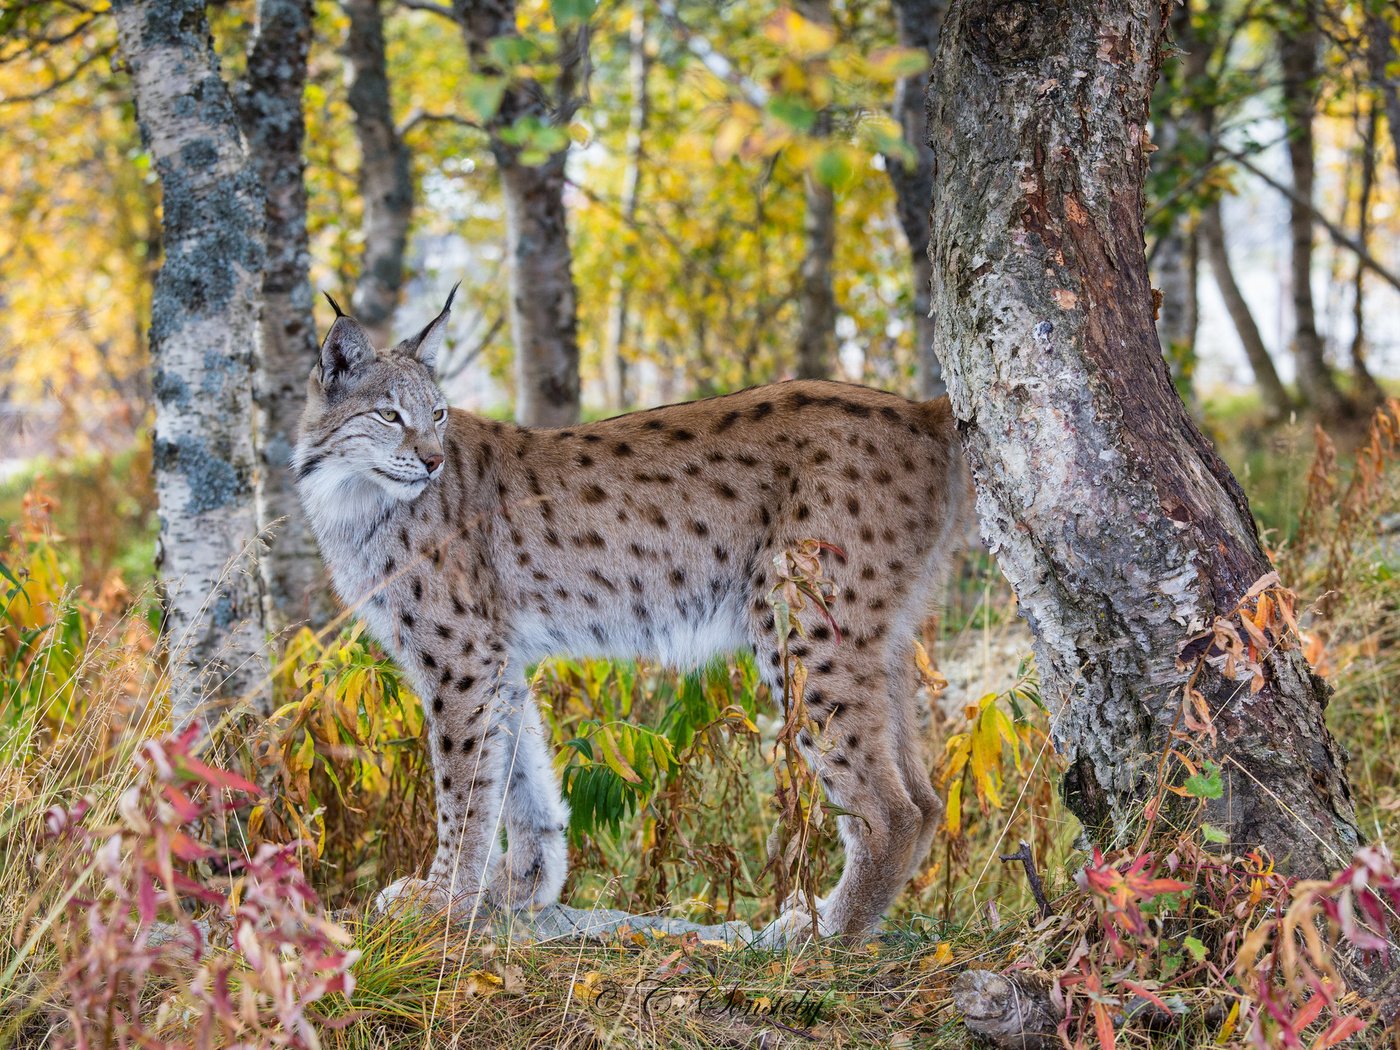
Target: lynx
{"type": "Point", "coordinates": [474, 548]}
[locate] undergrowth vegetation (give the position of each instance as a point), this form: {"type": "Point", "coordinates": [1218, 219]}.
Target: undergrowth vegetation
{"type": "Point", "coordinates": [155, 894]}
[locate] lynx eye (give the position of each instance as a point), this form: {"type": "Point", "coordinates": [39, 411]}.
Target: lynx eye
{"type": "Point", "coordinates": [388, 415]}
{"type": "Point", "coordinates": [439, 415]}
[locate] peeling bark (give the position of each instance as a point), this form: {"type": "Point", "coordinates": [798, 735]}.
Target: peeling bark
{"type": "Point", "coordinates": [1298, 52]}
{"type": "Point", "coordinates": [204, 332]}
{"type": "Point", "coordinates": [269, 104]}
{"type": "Point", "coordinates": [1271, 389]}
{"type": "Point", "coordinates": [917, 23]}
{"type": "Point", "coordinates": [816, 296]}
{"type": "Point", "coordinates": [543, 304]}
{"type": "Point", "coordinates": [1113, 518]}
{"type": "Point", "coordinates": [386, 177]}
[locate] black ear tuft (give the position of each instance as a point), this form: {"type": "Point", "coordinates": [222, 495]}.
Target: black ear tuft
{"type": "Point", "coordinates": [345, 350]}
{"type": "Point", "coordinates": [426, 344]}
{"type": "Point", "coordinates": [334, 305]}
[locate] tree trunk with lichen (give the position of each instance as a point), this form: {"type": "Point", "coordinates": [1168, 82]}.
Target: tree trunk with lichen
{"type": "Point", "coordinates": [916, 24]}
{"type": "Point", "coordinates": [204, 334]}
{"type": "Point", "coordinates": [1121, 530]}
{"type": "Point", "coordinates": [386, 177]}
{"type": "Point", "coordinates": [543, 302]}
{"type": "Point", "coordinates": [270, 107]}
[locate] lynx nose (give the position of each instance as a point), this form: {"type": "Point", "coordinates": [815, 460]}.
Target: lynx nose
{"type": "Point", "coordinates": [432, 461]}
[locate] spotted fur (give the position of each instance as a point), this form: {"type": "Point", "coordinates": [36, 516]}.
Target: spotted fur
{"type": "Point", "coordinates": [473, 548]}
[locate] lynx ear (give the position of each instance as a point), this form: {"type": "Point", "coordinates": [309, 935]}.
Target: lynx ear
{"type": "Point", "coordinates": [346, 348]}
{"type": "Point", "coordinates": [426, 344]}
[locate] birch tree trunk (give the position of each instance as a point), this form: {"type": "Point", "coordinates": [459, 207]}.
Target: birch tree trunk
{"type": "Point", "coordinates": [917, 23]}
{"type": "Point", "coordinates": [816, 297]}
{"type": "Point", "coordinates": [543, 303]}
{"type": "Point", "coordinates": [1119, 527]}
{"type": "Point", "coordinates": [1299, 42]}
{"type": "Point", "coordinates": [386, 177]}
{"type": "Point", "coordinates": [270, 108]}
{"type": "Point", "coordinates": [639, 65]}
{"type": "Point", "coordinates": [1271, 389]}
{"type": "Point", "coordinates": [204, 332]}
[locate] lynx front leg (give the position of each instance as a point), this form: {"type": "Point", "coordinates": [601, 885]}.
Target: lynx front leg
{"type": "Point", "coordinates": [469, 752]}
{"type": "Point", "coordinates": [536, 860]}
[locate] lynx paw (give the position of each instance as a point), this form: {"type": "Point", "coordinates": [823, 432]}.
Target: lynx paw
{"type": "Point", "coordinates": [431, 898]}
{"type": "Point", "coordinates": [793, 926]}
{"type": "Point", "coordinates": [529, 877]}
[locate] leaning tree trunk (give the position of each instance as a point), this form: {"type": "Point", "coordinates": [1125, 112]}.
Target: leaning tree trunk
{"type": "Point", "coordinates": [204, 334]}
{"type": "Point", "coordinates": [1114, 519]}
{"type": "Point", "coordinates": [1275, 396]}
{"type": "Point", "coordinates": [270, 107]}
{"type": "Point", "coordinates": [916, 25]}
{"type": "Point", "coordinates": [386, 178]}
{"type": "Point", "coordinates": [816, 296]}
{"type": "Point", "coordinates": [543, 303]}
{"type": "Point", "coordinates": [1298, 51]}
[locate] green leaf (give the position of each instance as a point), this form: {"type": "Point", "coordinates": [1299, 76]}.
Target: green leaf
{"type": "Point", "coordinates": [569, 12]}
{"type": "Point", "coordinates": [792, 111]}
{"type": "Point", "coordinates": [483, 96]}
{"type": "Point", "coordinates": [1205, 784]}
{"type": "Point", "coordinates": [1213, 834]}
{"type": "Point", "coordinates": [1195, 947]}
{"type": "Point", "coordinates": [833, 168]}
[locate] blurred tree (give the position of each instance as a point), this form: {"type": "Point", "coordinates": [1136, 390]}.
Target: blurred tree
{"type": "Point", "coordinates": [917, 24]}
{"type": "Point", "coordinates": [204, 335]}
{"type": "Point", "coordinates": [1365, 388]}
{"type": "Point", "coordinates": [527, 121]}
{"type": "Point", "coordinates": [816, 303]}
{"type": "Point", "coordinates": [614, 364]}
{"type": "Point", "coordinates": [269, 100]}
{"type": "Point", "coordinates": [1276, 398]}
{"type": "Point", "coordinates": [1299, 44]}
{"type": "Point", "coordinates": [1115, 521]}
{"type": "Point", "coordinates": [385, 178]}
{"type": "Point", "coordinates": [1173, 255]}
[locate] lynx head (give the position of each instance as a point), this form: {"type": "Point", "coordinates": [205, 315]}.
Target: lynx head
{"type": "Point", "coordinates": [373, 425]}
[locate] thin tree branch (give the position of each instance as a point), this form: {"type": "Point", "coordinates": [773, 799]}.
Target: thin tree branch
{"type": "Point", "coordinates": [419, 116]}
{"type": "Point", "coordinates": [61, 81]}
{"type": "Point", "coordinates": [1338, 235]}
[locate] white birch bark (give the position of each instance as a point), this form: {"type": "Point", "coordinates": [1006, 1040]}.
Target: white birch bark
{"type": "Point", "coordinates": [204, 334]}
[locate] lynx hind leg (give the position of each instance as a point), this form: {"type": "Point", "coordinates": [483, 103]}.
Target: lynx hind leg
{"type": "Point", "coordinates": [856, 756]}
{"type": "Point", "coordinates": [536, 860]}
{"type": "Point", "coordinates": [913, 751]}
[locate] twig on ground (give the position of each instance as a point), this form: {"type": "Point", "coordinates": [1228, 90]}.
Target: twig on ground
{"type": "Point", "coordinates": [1027, 860]}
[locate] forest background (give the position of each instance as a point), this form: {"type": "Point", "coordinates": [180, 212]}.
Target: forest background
{"type": "Point", "coordinates": [737, 193]}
